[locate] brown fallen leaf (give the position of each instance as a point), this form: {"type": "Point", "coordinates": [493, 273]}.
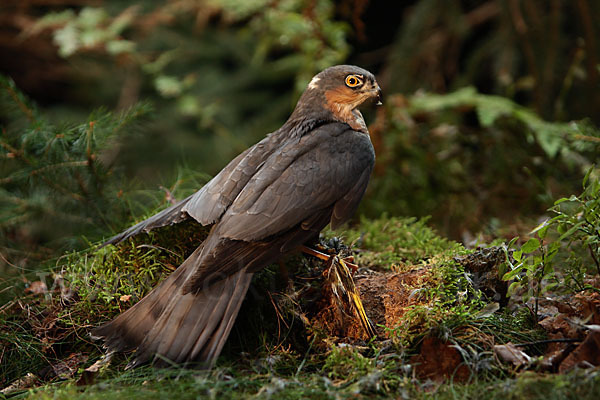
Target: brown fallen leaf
{"type": "Point", "coordinates": [25, 382]}
{"type": "Point", "coordinates": [125, 298]}
{"type": "Point", "coordinates": [89, 374]}
{"type": "Point", "coordinates": [66, 368]}
{"type": "Point", "coordinates": [37, 287]}
{"type": "Point", "coordinates": [560, 324]}
{"type": "Point", "coordinates": [439, 361]}
{"type": "Point", "coordinates": [509, 353]}
{"type": "Point", "coordinates": [586, 354]}
{"type": "Point", "coordinates": [588, 306]}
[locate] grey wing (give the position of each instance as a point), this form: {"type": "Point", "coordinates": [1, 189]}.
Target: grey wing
{"type": "Point", "coordinates": [347, 205]}
{"type": "Point", "coordinates": [329, 170]}
{"type": "Point", "coordinates": [168, 216]}
{"type": "Point", "coordinates": [207, 204]}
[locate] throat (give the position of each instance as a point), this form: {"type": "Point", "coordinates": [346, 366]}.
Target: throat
{"type": "Point", "coordinates": [351, 116]}
{"type": "Point", "coordinates": [355, 119]}
{"type": "Point", "coordinates": [358, 124]}
{"type": "Point", "coordinates": [343, 106]}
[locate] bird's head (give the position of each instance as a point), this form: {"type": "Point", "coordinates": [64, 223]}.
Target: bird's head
{"type": "Point", "coordinates": [340, 90]}
{"type": "Point", "coordinates": [346, 85]}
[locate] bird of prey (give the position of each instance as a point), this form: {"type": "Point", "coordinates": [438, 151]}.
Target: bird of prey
{"type": "Point", "coordinates": [268, 201]}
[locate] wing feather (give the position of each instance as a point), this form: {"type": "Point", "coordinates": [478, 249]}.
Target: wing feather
{"type": "Point", "coordinates": [330, 165]}
{"type": "Point", "coordinates": [209, 203]}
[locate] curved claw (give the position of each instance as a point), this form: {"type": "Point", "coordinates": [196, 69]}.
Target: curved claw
{"type": "Point", "coordinates": [327, 257]}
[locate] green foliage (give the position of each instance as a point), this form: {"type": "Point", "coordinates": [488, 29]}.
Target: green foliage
{"type": "Point", "coordinates": [575, 229]}
{"type": "Point", "coordinates": [577, 220]}
{"type": "Point", "coordinates": [132, 270]}
{"type": "Point", "coordinates": [216, 87]}
{"type": "Point", "coordinates": [347, 364]}
{"type": "Point", "coordinates": [472, 161]}
{"type": "Point", "coordinates": [448, 306]}
{"type": "Point", "coordinates": [553, 137]}
{"type": "Point", "coordinates": [89, 29]}
{"type": "Point", "coordinates": [220, 75]}
{"type": "Point", "coordinates": [223, 73]}
{"type": "Point", "coordinates": [225, 383]}
{"type": "Point", "coordinates": [64, 183]}
{"type": "Point", "coordinates": [531, 269]}
{"type": "Point", "coordinates": [58, 182]}
{"type": "Point", "coordinates": [451, 303]}
{"type": "Point", "coordinates": [513, 49]}
{"type": "Point", "coordinates": [86, 289]}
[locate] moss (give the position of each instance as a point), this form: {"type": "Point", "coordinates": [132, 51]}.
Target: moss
{"type": "Point", "coordinates": [395, 242]}
{"type": "Point", "coordinates": [275, 350]}
{"type": "Point", "coordinates": [225, 383]}
{"type": "Point", "coordinates": [85, 289]}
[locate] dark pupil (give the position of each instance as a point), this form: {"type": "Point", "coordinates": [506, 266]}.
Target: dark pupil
{"type": "Point", "coordinates": [352, 81]}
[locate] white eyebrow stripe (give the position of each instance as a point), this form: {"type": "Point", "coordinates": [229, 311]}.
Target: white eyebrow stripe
{"type": "Point", "coordinates": [314, 83]}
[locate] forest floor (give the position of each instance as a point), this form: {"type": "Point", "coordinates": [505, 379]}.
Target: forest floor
{"type": "Point", "coordinates": [444, 325]}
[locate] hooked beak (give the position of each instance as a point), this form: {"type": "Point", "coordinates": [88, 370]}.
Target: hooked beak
{"type": "Point", "coordinates": [375, 93]}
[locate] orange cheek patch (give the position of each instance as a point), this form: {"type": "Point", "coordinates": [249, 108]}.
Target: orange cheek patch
{"type": "Point", "coordinates": [341, 102]}
{"type": "Point", "coordinates": [340, 95]}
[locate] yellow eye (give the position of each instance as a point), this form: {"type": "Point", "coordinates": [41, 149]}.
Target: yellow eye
{"type": "Point", "coordinates": [353, 81]}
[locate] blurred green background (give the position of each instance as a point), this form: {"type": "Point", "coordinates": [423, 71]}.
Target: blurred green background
{"type": "Point", "coordinates": [109, 108]}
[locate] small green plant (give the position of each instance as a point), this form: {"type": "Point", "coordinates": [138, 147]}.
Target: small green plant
{"type": "Point", "coordinates": [534, 264]}
{"type": "Point", "coordinates": [566, 250]}
{"type": "Point", "coordinates": [578, 218]}
{"type": "Point", "coordinates": [346, 363]}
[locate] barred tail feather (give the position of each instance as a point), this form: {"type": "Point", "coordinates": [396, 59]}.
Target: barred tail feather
{"type": "Point", "coordinates": [128, 329]}
{"type": "Point", "coordinates": [170, 325]}
{"type": "Point", "coordinates": [195, 326]}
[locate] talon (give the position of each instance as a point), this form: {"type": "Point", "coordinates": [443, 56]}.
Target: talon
{"type": "Point", "coordinates": [350, 263]}
{"type": "Point", "coordinates": [329, 258]}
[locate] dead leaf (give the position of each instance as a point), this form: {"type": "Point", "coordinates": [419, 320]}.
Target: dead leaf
{"type": "Point", "coordinates": [439, 361]}
{"type": "Point", "coordinates": [586, 354]}
{"type": "Point", "coordinates": [509, 353]}
{"type": "Point", "coordinates": [89, 374]}
{"type": "Point", "coordinates": [125, 298]}
{"type": "Point", "coordinates": [488, 311]}
{"type": "Point", "coordinates": [25, 382]}
{"type": "Point", "coordinates": [589, 306]}
{"type": "Point", "coordinates": [37, 287]}
{"type": "Point", "coordinates": [66, 368]}
{"type": "Point", "coordinates": [560, 324]}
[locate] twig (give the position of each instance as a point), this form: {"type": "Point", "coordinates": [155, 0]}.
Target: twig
{"type": "Point", "coordinates": [522, 30]}
{"type": "Point", "coordinates": [587, 138]}
{"type": "Point", "coordinates": [590, 40]}
{"type": "Point", "coordinates": [149, 246]}
{"type": "Point", "coordinates": [560, 340]}
{"type": "Point", "coordinates": [26, 110]}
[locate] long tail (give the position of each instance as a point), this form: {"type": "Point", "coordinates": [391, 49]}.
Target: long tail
{"type": "Point", "coordinates": [168, 325]}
